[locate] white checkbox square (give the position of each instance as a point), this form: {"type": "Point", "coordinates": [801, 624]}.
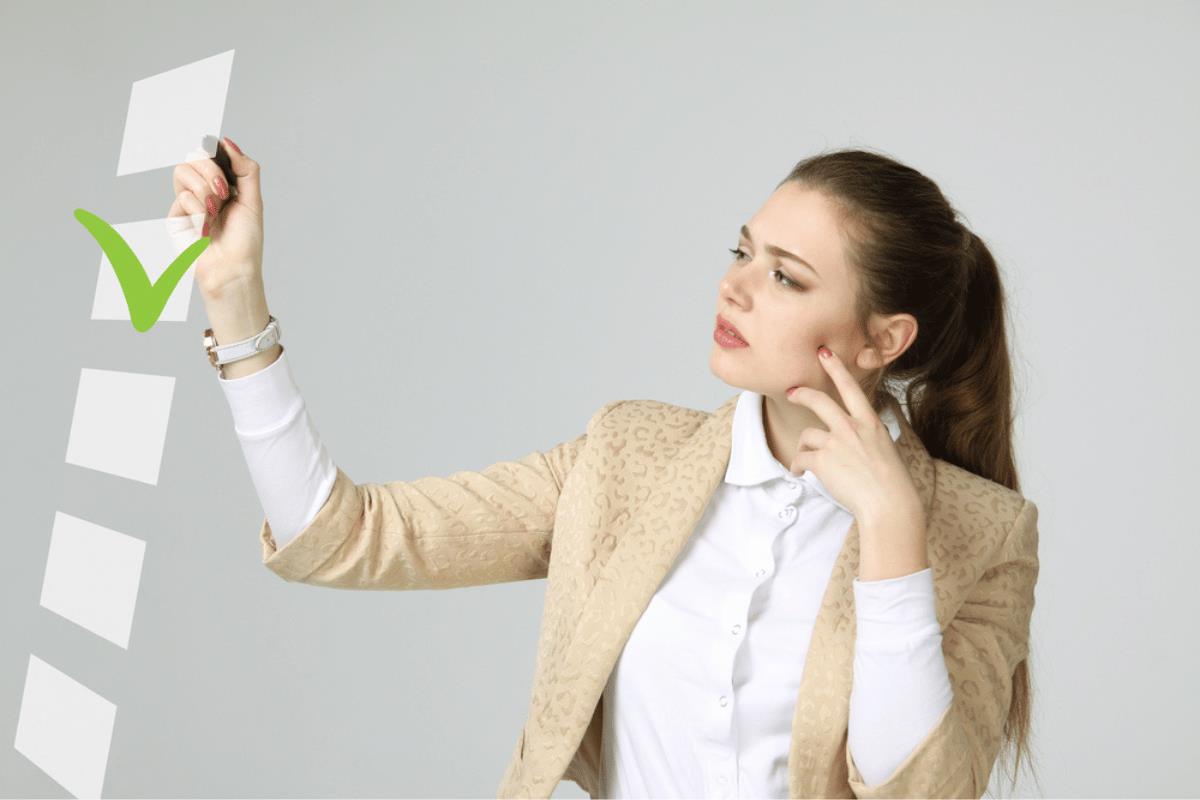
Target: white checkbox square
{"type": "Point", "coordinates": [173, 113]}
{"type": "Point", "coordinates": [92, 576]}
{"type": "Point", "coordinates": [120, 423]}
{"type": "Point", "coordinates": [156, 243]}
{"type": "Point", "coordinates": [65, 729]}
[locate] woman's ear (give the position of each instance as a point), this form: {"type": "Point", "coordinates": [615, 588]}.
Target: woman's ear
{"type": "Point", "coordinates": [891, 336]}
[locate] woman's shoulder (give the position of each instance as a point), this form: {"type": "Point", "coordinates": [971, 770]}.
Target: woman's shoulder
{"type": "Point", "coordinates": [654, 413]}
{"type": "Point", "coordinates": [962, 482]}
{"type": "Point", "coordinates": [977, 507]}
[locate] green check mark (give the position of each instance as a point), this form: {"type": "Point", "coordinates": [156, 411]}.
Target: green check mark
{"type": "Point", "coordinates": [145, 300]}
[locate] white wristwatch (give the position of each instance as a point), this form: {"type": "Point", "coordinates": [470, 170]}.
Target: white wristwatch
{"type": "Point", "coordinates": [219, 355]}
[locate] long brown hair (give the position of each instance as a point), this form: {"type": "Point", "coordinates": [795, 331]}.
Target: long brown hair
{"type": "Point", "coordinates": [909, 252]}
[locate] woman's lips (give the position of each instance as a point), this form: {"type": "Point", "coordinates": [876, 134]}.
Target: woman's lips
{"type": "Point", "coordinates": [733, 332]}
{"type": "Point", "coordinates": [726, 339]}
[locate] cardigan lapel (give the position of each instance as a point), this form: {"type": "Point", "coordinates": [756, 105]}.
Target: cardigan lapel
{"type": "Point", "coordinates": [678, 493]}
{"type": "Point", "coordinates": [817, 759]}
{"type": "Point", "coordinates": [678, 487]}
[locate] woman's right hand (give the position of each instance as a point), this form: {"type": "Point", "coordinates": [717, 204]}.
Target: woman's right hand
{"type": "Point", "coordinates": [233, 257]}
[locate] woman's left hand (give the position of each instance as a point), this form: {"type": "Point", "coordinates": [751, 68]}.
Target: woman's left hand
{"type": "Point", "coordinates": [855, 459]}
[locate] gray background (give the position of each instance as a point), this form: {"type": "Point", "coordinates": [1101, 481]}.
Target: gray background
{"type": "Point", "coordinates": [483, 222]}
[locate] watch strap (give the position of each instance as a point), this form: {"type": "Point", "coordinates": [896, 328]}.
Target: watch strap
{"type": "Point", "coordinates": [219, 355]}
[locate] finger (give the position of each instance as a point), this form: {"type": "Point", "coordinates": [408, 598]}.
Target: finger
{"type": "Point", "coordinates": [247, 171]}
{"type": "Point", "coordinates": [189, 163]}
{"type": "Point", "coordinates": [852, 395]}
{"type": "Point", "coordinates": [185, 219]}
{"type": "Point", "coordinates": [182, 205]}
{"type": "Point", "coordinates": [813, 439]}
{"type": "Point", "coordinates": [189, 203]}
{"type": "Point", "coordinates": [197, 210]}
{"type": "Point", "coordinates": [802, 462]}
{"type": "Point", "coordinates": [188, 176]}
{"type": "Point", "coordinates": [822, 405]}
{"type": "Point", "coordinates": [211, 172]}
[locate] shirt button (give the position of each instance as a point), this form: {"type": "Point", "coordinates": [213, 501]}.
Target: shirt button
{"type": "Point", "coordinates": [737, 629]}
{"type": "Point", "coordinates": [724, 700]}
{"type": "Point", "coordinates": [760, 573]}
{"type": "Point", "coordinates": [791, 484]}
{"type": "Point", "coordinates": [787, 512]}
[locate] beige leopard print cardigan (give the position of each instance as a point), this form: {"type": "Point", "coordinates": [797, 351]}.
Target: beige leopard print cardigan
{"type": "Point", "coordinates": [603, 516]}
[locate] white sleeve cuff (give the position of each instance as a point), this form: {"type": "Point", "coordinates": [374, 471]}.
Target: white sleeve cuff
{"type": "Point", "coordinates": [262, 401]}
{"type": "Point", "coordinates": [895, 612]}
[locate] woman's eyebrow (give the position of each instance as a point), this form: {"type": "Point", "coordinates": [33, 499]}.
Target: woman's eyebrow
{"type": "Point", "coordinates": [780, 252]}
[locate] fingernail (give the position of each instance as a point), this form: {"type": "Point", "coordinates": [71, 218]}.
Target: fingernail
{"type": "Point", "coordinates": [204, 230]}
{"type": "Point", "coordinates": [824, 351]}
{"type": "Point", "coordinates": [221, 187]}
{"type": "Point", "coordinates": [237, 149]}
{"type": "Point", "coordinates": [211, 205]}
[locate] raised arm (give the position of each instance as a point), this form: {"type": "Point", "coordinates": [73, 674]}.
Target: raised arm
{"type": "Point", "coordinates": [465, 529]}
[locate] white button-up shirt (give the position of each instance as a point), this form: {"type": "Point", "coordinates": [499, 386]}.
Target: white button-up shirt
{"type": "Point", "coordinates": [701, 699]}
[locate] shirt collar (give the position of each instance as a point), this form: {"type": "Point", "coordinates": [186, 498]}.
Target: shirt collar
{"type": "Point", "coordinates": [751, 461]}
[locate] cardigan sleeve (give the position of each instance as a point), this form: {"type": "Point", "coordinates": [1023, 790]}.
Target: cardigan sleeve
{"type": "Point", "coordinates": [901, 687]}
{"type": "Point", "coordinates": [982, 646]}
{"type": "Point", "coordinates": [465, 529]}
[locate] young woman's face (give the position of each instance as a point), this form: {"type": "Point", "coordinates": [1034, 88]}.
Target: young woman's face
{"type": "Point", "coordinates": [783, 309]}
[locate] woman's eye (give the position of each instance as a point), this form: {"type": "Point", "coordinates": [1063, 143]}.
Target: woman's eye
{"type": "Point", "coordinates": [785, 280]}
{"type": "Point", "coordinates": [780, 277]}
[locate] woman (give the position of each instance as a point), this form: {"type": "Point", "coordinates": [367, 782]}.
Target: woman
{"type": "Point", "coordinates": [853, 624]}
